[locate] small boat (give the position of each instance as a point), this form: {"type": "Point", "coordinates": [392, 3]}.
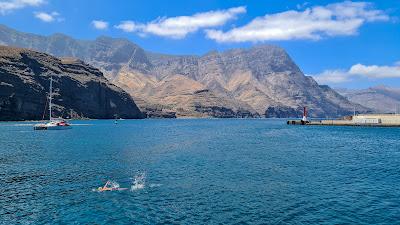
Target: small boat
{"type": "Point", "coordinates": [110, 186]}
{"type": "Point", "coordinates": [116, 119]}
{"type": "Point", "coordinates": [54, 123]}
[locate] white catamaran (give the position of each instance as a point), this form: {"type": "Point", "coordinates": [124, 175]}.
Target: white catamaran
{"type": "Point", "coordinates": [54, 123]}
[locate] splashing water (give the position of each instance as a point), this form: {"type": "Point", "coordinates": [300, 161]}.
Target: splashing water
{"type": "Point", "coordinates": [111, 186]}
{"type": "Point", "coordinates": [138, 181]}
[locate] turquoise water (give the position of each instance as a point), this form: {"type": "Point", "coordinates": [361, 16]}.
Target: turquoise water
{"type": "Point", "coordinates": [200, 172]}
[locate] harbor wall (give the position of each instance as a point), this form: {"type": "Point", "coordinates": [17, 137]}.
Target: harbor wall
{"type": "Point", "coordinates": [383, 120]}
{"type": "Point", "coordinates": [379, 118]}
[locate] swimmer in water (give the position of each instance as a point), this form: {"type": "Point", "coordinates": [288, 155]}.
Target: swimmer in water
{"type": "Point", "coordinates": [110, 186]}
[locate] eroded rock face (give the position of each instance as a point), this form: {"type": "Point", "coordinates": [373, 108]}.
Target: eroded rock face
{"type": "Point", "coordinates": [262, 78]}
{"type": "Point", "coordinates": [240, 82]}
{"type": "Point", "coordinates": [80, 90]}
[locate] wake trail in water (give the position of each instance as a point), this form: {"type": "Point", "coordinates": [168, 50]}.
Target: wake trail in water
{"type": "Point", "coordinates": [155, 185]}
{"type": "Point", "coordinates": [17, 125]}
{"type": "Point", "coordinates": [32, 124]}
{"type": "Point", "coordinates": [138, 183]}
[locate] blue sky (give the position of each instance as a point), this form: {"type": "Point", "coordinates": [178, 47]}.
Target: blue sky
{"type": "Point", "coordinates": [352, 44]}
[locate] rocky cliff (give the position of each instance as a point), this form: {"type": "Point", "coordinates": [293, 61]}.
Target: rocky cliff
{"type": "Point", "coordinates": [259, 81]}
{"type": "Point", "coordinates": [80, 90]}
{"type": "Point", "coordinates": [263, 77]}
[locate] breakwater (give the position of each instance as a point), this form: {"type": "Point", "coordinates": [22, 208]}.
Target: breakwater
{"type": "Point", "coordinates": [372, 120]}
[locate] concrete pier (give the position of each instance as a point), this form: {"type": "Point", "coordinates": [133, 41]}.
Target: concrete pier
{"type": "Point", "coordinates": [371, 120]}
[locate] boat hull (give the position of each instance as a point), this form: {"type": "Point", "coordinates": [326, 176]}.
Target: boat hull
{"type": "Point", "coordinates": [47, 127]}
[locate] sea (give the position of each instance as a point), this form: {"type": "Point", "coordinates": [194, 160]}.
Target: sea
{"type": "Point", "coordinates": [199, 171]}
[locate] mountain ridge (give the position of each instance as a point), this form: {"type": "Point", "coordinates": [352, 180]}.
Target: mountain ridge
{"type": "Point", "coordinates": [250, 82]}
{"type": "Point", "coordinates": [380, 99]}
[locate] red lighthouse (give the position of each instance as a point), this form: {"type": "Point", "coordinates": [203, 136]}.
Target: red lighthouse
{"type": "Point", "coordinates": [304, 114]}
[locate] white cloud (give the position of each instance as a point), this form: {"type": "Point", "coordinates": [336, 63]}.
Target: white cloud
{"type": "Point", "coordinates": [178, 27]}
{"type": "Point", "coordinates": [11, 5]}
{"type": "Point", "coordinates": [313, 23]}
{"type": "Point", "coordinates": [128, 26]}
{"type": "Point", "coordinates": [100, 24]}
{"type": "Point", "coordinates": [358, 71]}
{"type": "Point", "coordinates": [332, 77]}
{"type": "Point", "coordinates": [48, 17]}
{"type": "Point", "coordinates": [375, 71]}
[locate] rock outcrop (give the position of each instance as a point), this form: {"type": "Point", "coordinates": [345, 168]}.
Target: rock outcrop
{"type": "Point", "coordinates": [259, 81]}
{"type": "Point", "coordinates": [81, 91]}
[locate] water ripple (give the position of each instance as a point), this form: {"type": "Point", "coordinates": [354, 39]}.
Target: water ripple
{"type": "Point", "coordinates": [200, 172]}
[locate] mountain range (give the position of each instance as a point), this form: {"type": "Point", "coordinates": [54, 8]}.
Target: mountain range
{"type": "Point", "coordinates": [380, 99]}
{"type": "Point", "coordinates": [262, 81]}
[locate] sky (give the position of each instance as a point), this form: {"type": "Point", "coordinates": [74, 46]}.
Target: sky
{"type": "Point", "coordinates": [350, 44]}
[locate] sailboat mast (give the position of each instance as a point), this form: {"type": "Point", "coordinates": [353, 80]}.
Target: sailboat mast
{"type": "Point", "coordinates": [50, 98]}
